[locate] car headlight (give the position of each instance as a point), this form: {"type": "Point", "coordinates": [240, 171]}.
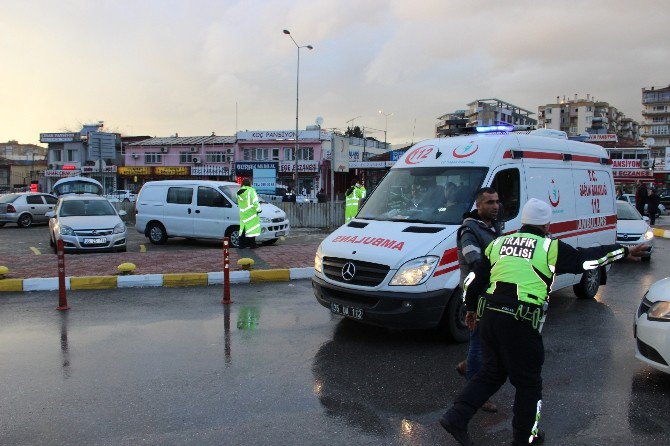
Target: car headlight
{"type": "Point", "coordinates": [66, 230]}
{"type": "Point", "coordinates": [415, 272]}
{"type": "Point", "coordinates": [649, 234]}
{"type": "Point", "coordinates": [120, 228]}
{"type": "Point", "coordinates": [318, 263]}
{"type": "Point", "coordinates": [659, 311]}
{"type": "Point", "coordinates": [265, 220]}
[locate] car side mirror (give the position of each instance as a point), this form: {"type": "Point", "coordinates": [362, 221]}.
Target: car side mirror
{"type": "Point", "coordinates": [50, 214]}
{"type": "Point", "coordinates": [645, 218]}
{"type": "Point", "coordinates": [122, 213]}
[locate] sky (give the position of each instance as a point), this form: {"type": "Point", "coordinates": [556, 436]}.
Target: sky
{"type": "Point", "coordinates": [161, 67]}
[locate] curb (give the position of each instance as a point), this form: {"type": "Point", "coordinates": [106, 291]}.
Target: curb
{"type": "Point", "coordinates": [155, 280]}
{"type": "Point", "coordinates": [664, 233]}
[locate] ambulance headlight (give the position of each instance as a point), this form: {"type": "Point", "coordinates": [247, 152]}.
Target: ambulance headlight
{"type": "Point", "coordinates": [415, 272]}
{"type": "Point", "coordinates": [318, 263]}
{"type": "Point", "coordinates": [649, 235]}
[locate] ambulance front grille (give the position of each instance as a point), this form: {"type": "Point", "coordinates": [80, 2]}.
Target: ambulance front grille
{"type": "Point", "coordinates": [367, 273]}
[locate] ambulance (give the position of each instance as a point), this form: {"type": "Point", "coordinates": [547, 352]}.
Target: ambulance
{"type": "Point", "coordinates": [396, 265]}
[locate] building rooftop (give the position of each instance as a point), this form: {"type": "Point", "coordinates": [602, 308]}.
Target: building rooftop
{"type": "Point", "coordinates": [186, 141]}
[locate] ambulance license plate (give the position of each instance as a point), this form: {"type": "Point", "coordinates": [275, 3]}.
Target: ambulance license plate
{"type": "Point", "coordinates": [352, 312]}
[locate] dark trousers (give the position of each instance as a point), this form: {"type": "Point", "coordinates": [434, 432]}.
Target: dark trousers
{"type": "Point", "coordinates": [639, 205]}
{"type": "Point", "coordinates": [247, 242]}
{"type": "Point", "coordinates": [511, 349]}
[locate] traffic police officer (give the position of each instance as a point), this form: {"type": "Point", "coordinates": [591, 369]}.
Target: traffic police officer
{"type": "Point", "coordinates": [515, 275]}
{"type": "Point", "coordinates": [250, 223]}
{"type": "Point", "coordinates": [353, 197]}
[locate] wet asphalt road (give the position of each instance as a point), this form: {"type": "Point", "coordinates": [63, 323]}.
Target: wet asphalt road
{"type": "Point", "coordinates": [172, 366]}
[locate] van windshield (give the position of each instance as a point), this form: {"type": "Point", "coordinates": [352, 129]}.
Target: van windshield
{"type": "Point", "coordinates": [437, 195]}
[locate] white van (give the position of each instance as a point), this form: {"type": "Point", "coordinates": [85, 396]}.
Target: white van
{"type": "Point", "coordinates": [396, 263]}
{"type": "Point", "coordinates": [200, 209]}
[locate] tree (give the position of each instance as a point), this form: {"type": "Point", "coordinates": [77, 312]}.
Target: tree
{"type": "Point", "coordinates": [356, 132]}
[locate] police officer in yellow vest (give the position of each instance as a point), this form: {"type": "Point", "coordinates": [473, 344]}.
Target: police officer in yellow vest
{"type": "Point", "coordinates": [514, 280]}
{"type": "Point", "coordinates": [250, 223]}
{"type": "Point", "coordinates": [353, 197]}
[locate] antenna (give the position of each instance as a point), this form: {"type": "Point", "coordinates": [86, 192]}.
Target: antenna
{"type": "Point", "coordinates": [414, 128]}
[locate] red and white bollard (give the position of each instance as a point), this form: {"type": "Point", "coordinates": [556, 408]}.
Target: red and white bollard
{"type": "Point", "coordinates": [62, 298]}
{"type": "Point", "coordinates": [226, 272]}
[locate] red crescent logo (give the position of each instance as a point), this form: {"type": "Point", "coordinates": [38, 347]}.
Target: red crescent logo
{"type": "Point", "coordinates": [418, 155]}
{"type": "Point", "coordinates": [467, 149]}
{"type": "Point", "coordinates": [557, 193]}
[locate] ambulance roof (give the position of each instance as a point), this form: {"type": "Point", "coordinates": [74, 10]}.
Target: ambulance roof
{"type": "Point", "coordinates": [491, 149]}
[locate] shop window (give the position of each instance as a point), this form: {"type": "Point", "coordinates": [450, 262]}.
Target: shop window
{"type": "Point", "coordinates": [180, 195]}
{"type": "Point", "coordinates": [153, 158]}
{"type": "Point", "coordinates": [508, 185]}
{"type": "Point", "coordinates": [185, 158]}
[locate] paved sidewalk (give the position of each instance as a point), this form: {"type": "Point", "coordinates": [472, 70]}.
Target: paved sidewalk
{"type": "Point", "coordinates": [179, 261]}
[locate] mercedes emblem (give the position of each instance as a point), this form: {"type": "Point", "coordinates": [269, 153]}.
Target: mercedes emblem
{"type": "Point", "coordinates": [348, 271]}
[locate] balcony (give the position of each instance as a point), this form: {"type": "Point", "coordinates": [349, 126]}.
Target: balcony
{"type": "Point", "coordinates": [655, 112]}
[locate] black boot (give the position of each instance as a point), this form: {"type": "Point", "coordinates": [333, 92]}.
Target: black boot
{"type": "Point", "coordinates": [537, 440]}
{"type": "Point", "coordinates": [460, 435]}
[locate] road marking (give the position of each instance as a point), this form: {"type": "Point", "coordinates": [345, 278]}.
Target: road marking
{"type": "Point", "coordinates": [143, 248]}
{"type": "Point", "coordinates": [35, 251]}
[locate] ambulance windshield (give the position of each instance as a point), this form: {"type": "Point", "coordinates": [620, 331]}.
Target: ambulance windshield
{"type": "Point", "coordinates": [434, 195]}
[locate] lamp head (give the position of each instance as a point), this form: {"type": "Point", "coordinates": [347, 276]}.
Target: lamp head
{"type": "Point", "coordinates": [310, 47]}
{"type": "Point", "coordinates": [286, 31]}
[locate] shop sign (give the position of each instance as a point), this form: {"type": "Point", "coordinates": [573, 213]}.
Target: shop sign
{"type": "Point", "coordinates": [609, 137]}
{"type": "Point", "coordinates": [370, 164]}
{"type": "Point", "coordinates": [340, 150]}
{"type": "Point", "coordinates": [303, 166]}
{"type": "Point", "coordinates": [265, 180]}
{"type": "Point", "coordinates": [269, 135]}
{"type": "Point", "coordinates": [59, 137]}
{"type": "Point", "coordinates": [57, 173]}
{"type": "Point", "coordinates": [631, 173]}
{"type": "Point", "coordinates": [93, 169]}
{"type": "Point", "coordinates": [247, 167]}
{"type": "Point", "coordinates": [625, 164]}
{"type": "Point", "coordinates": [171, 170]}
{"type": "Point", "coordinates": [133, 170]}
{"type": "Point", "coordinates": [210, 169]}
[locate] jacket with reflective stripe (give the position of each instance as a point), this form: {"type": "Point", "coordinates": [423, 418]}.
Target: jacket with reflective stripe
{"type": "Point", "coordinates": [525, 260]}
{"type": "Point", "coordinates": [247, 200]}
{"type": "Point", "coordinates": [351, 203]}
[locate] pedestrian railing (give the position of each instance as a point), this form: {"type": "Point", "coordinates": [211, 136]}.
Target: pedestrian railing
{"type": "Point", "coordinates": [314, 215]}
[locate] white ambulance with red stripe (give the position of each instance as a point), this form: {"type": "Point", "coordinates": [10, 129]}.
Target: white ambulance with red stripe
{"type": "Point", "coordinates": [396, 264]}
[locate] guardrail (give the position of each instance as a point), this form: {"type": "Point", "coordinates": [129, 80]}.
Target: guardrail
{"type": "Point", "coordinates": [300, 215]}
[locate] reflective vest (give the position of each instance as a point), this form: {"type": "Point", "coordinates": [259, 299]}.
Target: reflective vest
{"type": "Point", "coordinates": [351, 204]}
{"type": "Point", "coordinates": [247, 200]}
{"type": "Point", "coordinates": [363, 191]}
{"type": "Point", "coordinates": [525, 260]}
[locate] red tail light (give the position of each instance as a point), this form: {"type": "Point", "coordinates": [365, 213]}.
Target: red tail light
{"type": "Point", "coordinates": [10, 209]}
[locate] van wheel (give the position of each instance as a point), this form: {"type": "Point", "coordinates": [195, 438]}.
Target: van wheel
{"type": "Point", "coordinates": [452, 324]}
{"type": "Point", "coordinates": [587, 288]}
{"type": "Point", "coordinates": [233, 235]}
{"type": "Point", "coordinates": [157, 234]}
{"type": "Point", "coordinates": [25, 220]}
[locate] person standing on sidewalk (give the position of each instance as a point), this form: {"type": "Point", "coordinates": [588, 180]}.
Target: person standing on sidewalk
{"type": "Point", "coordinates": [250, 223]}
{"type": "Point", "coordinates": [480, 227]}
{"type": "Point", "coordinates": [509, 292]}
{"type": "Point", "coordinates": [653, 201]}
{"type": "Point", "coordinates": [641, 196]}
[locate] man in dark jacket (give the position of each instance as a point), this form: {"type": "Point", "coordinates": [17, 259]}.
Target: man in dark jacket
{"type": "Point", "coordinates": [641, 195]}
{"type": "Point", "coordinates": [652, 205]}
{"type": "Point", "coordinates": [480, 227]}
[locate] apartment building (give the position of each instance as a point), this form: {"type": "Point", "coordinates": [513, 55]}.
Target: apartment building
{"type": "Point", "coordinates": [483, 112]}
{"type": "Point", "coordinates": [655, 128]}
{"type": "Point", "coordinates": [450, 124]}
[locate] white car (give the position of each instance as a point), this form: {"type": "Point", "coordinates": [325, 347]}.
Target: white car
{"type": "Point", "coordinates": [652, 327]}
{"type": "Point", "coordinates": [630, 198]}
{"type": "Point", "coordinates": [632, 228]}
{"type": "Point", "coordinates": [124, 195]}
{"type": "Point", "coordinates": [87, 222]}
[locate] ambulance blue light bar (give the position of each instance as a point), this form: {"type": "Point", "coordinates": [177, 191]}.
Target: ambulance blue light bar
{"type": "Point", "coordinates": [495, 128]}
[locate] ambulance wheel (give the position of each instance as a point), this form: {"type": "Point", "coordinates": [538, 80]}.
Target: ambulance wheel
{"type": "Point", "coordinates": [587, 288]}
{"type": "Point", "coordinates": [452, 324]}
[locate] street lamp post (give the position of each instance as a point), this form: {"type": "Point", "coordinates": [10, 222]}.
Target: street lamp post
{"type": "Point", "coordinates": [386, 124]}
{"type": "Point", "coordinates": [297, 103]}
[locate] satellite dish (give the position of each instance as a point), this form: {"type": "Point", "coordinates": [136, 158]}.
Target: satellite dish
{"type": "Point", "coordinates": [319, 120]}
{"type": "Point", "coordinates": [650, 141]}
